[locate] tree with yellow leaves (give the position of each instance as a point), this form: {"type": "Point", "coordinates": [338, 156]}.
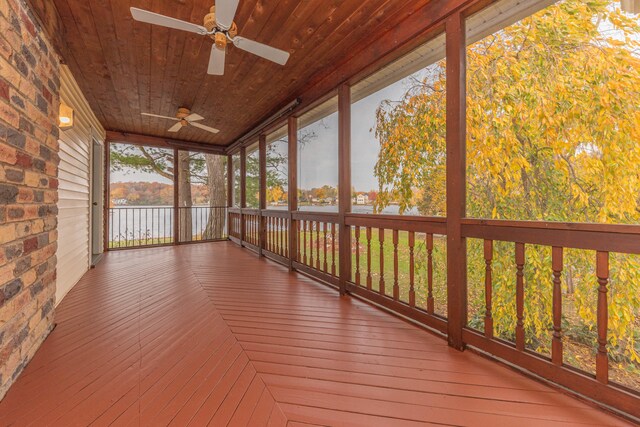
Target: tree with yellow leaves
{"type": "Point", "coordinates": [553, 133]}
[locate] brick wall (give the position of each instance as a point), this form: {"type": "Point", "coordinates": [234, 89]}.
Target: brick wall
{"type": "Point", "coordinates": [29, 91]}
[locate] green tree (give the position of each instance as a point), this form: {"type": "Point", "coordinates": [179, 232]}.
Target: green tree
{"type": "Point", "coordinates": [553, 128]}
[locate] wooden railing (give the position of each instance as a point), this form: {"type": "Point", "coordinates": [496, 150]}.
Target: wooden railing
{"type": "Point", "coordinates": [385, 252]}
{"type": "Point", "coordinates": [251, 227]}
{"type": "Point", "coordinates": [276, 237]}
{"type": "Point", "coordinates": [401, 264]}
{"type": "Point", "coordinates": [317, 240]}
{"type": "Point", "coordinates": [601, 241]}
{"type": "Point", "coordinates": [234, 224]}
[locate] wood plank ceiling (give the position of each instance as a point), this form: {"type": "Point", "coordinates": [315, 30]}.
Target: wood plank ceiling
{"type": "Point", "coordinates": [125, 67]}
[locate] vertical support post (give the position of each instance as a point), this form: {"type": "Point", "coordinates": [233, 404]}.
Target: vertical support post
{"type": "Point", "coordinates": [602, 358]}
{"type": "Point", "coordinates": [456, 180]}
{"type": "Point", "coordinates": [292, 129]}
{"type": "Point", "coordinates": [229, 193]}
{"type": "Point", "coordinates": [176, 200]}
{"type": "Point", "coordinates": [243, 193]}
{"type": "Point", "coordinates": [107, 192]}
{"type": "Point", "coordinates": [230, 173]}
{"type": "Point", "coordinates": [344, 185]}
{"type": "Point", "coordinates": [262, 160]}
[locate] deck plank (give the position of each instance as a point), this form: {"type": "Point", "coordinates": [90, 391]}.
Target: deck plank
{"type": "Point", "coordinates": [210, 334]}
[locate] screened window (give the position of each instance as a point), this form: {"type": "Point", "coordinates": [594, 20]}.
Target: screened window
{"type": "Point", "coordinates": [398, 130]}
{"type": "Point", "coordinates": [277, 169]}
{"type": "Point", "coordinates": [318, 158]}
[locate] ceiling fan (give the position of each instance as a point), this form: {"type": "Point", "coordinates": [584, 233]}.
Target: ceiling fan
{"type": "Point", "coordinates": [184, 117]}
{"type": "Point", "coordinates": [219, 25]}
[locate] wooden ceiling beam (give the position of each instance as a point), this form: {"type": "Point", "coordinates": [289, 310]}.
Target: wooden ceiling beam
{"type": "Point", "coordinates": [154, 141]}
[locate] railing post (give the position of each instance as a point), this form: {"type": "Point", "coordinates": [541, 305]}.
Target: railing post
{"type": "Point", "coordinates": [229, 192]}
{"type": "Point", "coordinates": [107, 191]}
{"type": "Point", "coordinates": [262, 159]}
{"type": "Point", "coordinates": [243, 192]}
{"type": "Point", "coordinates": [292, 172]}
{"type": "Point", "coordinates": [456, 180]}
{"type": "Point", "coordinates": [344, 185]}
{"type": "Point", "coordinates": [176, 200]}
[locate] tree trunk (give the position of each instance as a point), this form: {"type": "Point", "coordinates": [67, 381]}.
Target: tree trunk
{"type": "Point", "coordinates": [216, 183]}
{"type": "Point", "coordinates": [184, 197]}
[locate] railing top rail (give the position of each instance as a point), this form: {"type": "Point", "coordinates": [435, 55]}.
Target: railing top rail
{"type": "Point", "coordinates": [315, 216]}
{"type": "Point", "coordinates": [598, 237]}
{"type": "Point", "coordinates": [250, 211]}
{"type": "Point", "coordinates": [398, 222]}
{"type": "Point", "coordinates": [274, 213]}
{"type": "Point", "coordinates": [202, 207]}
{"type": "Point", "coordinates": [553, 225]}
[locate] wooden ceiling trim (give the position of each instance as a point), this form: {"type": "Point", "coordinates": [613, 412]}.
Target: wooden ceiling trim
{"type": "Point", "coordinates": [116, 137]}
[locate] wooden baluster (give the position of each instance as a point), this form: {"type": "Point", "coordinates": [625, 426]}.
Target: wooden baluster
{"type": "Point", "coordinates": [369, 284]}
{"type": "Point", "coordinates": [311, 243]}
{"type": "Point", "coordinates": [324, 244]}
{"type": "Point", "coordinates": [556, 341]}
{"type": "Point", "coordinates": [333, 249]}
{"type": "Point", "coordinates": [281, 235]}
{"type": "Point", "coordinates": [396, 287]}
{"type": "Point", "coordinates": [381, 240]}
{"type": "Point", "coordinates": [602, 359]}
{"type": "Point", "coordinates": [287, 230]}
{"type": "Point", "coordinates": [520, 296]}
{"type": "Point", "coordinates": [430, 301]}
{"type": "Point", "coordinates": [295, 227]}
{"type": "Point", "coordinates": [317, 245]}
{"type": "Point", "coordinates": [357, 235]}
{"type": "Point", "coordinates": [271, 235]}
{"type": "Point", "coordinates": [412, 290]}
{"type": "Point", "coordinates": [488, 288]}
{"type": "Point", "coordinates": [305, 226]}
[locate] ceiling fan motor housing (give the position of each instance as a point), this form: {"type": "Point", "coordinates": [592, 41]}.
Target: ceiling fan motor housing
{"type": "Point", "coordinates": [220, 37]}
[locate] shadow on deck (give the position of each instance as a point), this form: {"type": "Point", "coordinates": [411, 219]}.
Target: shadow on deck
{"type": "Point", "coordinates": [210, 334]}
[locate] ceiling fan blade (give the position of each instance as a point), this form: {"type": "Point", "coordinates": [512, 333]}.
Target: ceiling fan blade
{"type": "Point", "coordinates": [216, 61]}
{"type": "Point", "coordinates": [193, 117]}
{"type": "Point", "coordinates": [207, 128]}
{"type": "Point", "coordinates": [225, 12]}
{"type": "Point", "coordinates": [271, 53]}
{"type": "Point", "coordinates": [165, 21]}
{"type": "Point", "coordinates": [159, 116]}
{"type": "Point", "coordinates": [175, 128]}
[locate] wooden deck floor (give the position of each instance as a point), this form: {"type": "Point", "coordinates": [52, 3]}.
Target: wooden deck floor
{"type": "Point", "coordinates": [209, 334]}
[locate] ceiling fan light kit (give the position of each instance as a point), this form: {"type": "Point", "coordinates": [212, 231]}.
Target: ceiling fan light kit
{"type": "Point", "coordinates": [220, 27]}
{"type": "Point", "coordinates": [184, 117]}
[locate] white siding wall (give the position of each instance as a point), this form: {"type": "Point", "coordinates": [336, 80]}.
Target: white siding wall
{"type": "Point", "coordinates": [74, 191]}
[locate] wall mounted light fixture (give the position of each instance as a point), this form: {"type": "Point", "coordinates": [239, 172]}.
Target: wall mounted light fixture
{"type": "Point", "coordinates": [65, 117]}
